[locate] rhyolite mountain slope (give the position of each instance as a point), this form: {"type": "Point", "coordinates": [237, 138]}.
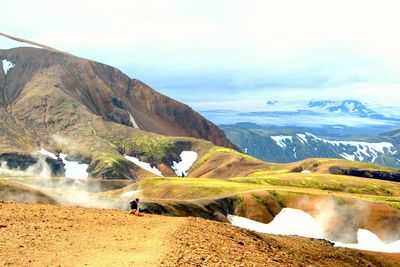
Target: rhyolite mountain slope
{"type": "Point", "coordinates": [40, 76]}
{"type": "Point", "coordinates": [92, 112]}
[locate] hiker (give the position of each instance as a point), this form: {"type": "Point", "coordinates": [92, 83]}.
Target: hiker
{"type": "Point", "coordinates": [134, 206]}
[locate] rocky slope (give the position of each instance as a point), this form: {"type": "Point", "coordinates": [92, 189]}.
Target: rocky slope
{"type": "Point", "coordinates": [40, 76]}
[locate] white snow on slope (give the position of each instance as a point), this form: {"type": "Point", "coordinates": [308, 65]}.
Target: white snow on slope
{"type": "Point", "coordinates": [282, 139]}
{"type": "Point", "coordinates": [363, 149]}
{"type": "Point", "coordinates": [348, 157]}
{"type": "Point", "coordinates": [133, 121]}
{"type": "Point", "coordinates": [47, 153]}
{"type": "Point", "coordinates": [144, 165]}
{"type": "Point", "coordinates": [7, 65]}
{"type": "Point", "coordinates": [3, 164]}
{"type": "Point", "coordinates": [302, 138]}
{"type": "Point", "coordinates": [297, 222]}
{"type": "Point", "coordinates": [181, 168]}
{"type": "Point", "coordinates": [367, 240]}
{"type": "Point", "coordinates": [287, 222]}
{"type": "Point", "coordinates": [351, 150]}
{"type": "Point", "coordinates": [73, 169]}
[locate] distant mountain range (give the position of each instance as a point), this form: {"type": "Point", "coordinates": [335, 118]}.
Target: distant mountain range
{"type": "Point", "coordinates": [356, 116]}
{"type": "Point", "coordinates": [352, 107]}
{"type": "Point", "coordinates": [280, 145]}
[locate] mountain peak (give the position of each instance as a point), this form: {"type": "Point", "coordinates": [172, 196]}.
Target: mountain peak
{"type": "Point", "coordinates": [349, 106]}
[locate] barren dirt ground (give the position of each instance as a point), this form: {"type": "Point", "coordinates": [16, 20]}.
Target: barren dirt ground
{"type": "Point", "coordinates": [45, 235]}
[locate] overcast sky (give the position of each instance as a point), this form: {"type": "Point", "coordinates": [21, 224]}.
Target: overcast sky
{"type": "Point", "coordinates": [236, 51]}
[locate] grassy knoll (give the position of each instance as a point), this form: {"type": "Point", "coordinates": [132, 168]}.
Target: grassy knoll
{"type": "Point", "coordinates": [281, 184]}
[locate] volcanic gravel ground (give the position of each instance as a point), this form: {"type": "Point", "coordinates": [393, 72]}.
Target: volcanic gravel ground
{"type": "Point", "coordinates": [45, 235]}
{"type": "Point", "coordinates": [206, 243]}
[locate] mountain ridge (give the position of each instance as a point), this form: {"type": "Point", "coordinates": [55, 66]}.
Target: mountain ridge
{"type": "Point", "coordinates": [88, 110]}
{"type": "Point", "coordinates": [278, 146]}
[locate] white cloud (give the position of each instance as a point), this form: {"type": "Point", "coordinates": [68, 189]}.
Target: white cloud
{"type": "Point", "coordinates": [293, 44]}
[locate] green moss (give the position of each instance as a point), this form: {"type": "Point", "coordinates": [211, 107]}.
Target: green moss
{"type": "Point", "coordinates": [190, 188]}
{"type": "Point", "coordinates": [154, 148]}
{"type": "Point", "coordinates": [8, 188]}
{"type": "Point", "coordinates": [110, 162]}
{"type": "Point", "coordinates": [259, 199]}
{"type": "Point", "coordinates": [219, 151]}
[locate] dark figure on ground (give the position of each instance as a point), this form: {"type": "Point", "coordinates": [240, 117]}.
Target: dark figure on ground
{"type": "Point", "coordinates": [134, 206]}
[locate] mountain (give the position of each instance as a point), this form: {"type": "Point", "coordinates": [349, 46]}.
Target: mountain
{"type": "Point", "coordinates": [289, 146]}
{"type": "Point", "coordinates": [65, 119]}
{"type": "Point", "coordinates": [53, 100]}
{"type": "Point", "coordinates": [345, 117]}
{"type": "Point", "coordinates": [352, 107]}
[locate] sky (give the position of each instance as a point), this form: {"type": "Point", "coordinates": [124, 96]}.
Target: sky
{"type": "Point", "coordinates": [228, 54]}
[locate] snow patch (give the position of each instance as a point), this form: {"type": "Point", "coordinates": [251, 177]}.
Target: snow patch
{"type": "Point", "coordinates": [362, 147]}
{"type": "Point", "coordinates": [3, 164]}
{"type": "Point", "coordinates": [302, 138]}
{"type": "Point", "coordinates": [348, 157]}
{"type": "Point", "coordinates": [7, 65]}
{"type": "Point", "coordinates": [282, 140]}
{"type": "Point", "coordinates": [297, 222]}
{"type": "Point", "coordinates": [47, 153]}
{"type": "Point", "coordinates": [350, 150]}
{"type": "Point", "coordinates": [305, 171]}
{"type": "Point", "coordinates": [132, 120]}
{"type": "Point", "coordinates": [181, 168]}
{"type": "Point", "coordinates": [144, 165]}
{"type": "Point", "coordinates": [367, 240]}
{"type": "Point", "coordinates": [287, 222]}
{"type": "Point", "coordinates": [73, 169]}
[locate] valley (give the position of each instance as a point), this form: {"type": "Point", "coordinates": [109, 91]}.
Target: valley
{"type": "Point", "coordinates": [79, 140]}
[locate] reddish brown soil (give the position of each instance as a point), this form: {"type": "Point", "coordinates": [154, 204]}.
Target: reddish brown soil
{"type": "Point", "coordinates": [45, 235]}
{"type": "Point", "coordinates": [200, 242]}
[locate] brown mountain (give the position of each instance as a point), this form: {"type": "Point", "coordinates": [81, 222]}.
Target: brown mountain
{"type": "Point", "coordinates": [51, 99]}
{"type": "Point", "coordinates": [102, 90]}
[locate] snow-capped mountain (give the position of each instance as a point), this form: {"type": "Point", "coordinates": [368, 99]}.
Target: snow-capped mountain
{"type": "Point", "coordinates": [312, 114]}
{"type": "Point", "coordinates": [292, 146]}
{"type": "Point", "coordinates": [350, 150]}
{"type": "Point", "coordinates": [352, 107]}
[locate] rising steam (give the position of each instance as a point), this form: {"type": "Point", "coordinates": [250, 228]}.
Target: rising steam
{"type": "Point", "coordinates": [74, 189]}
